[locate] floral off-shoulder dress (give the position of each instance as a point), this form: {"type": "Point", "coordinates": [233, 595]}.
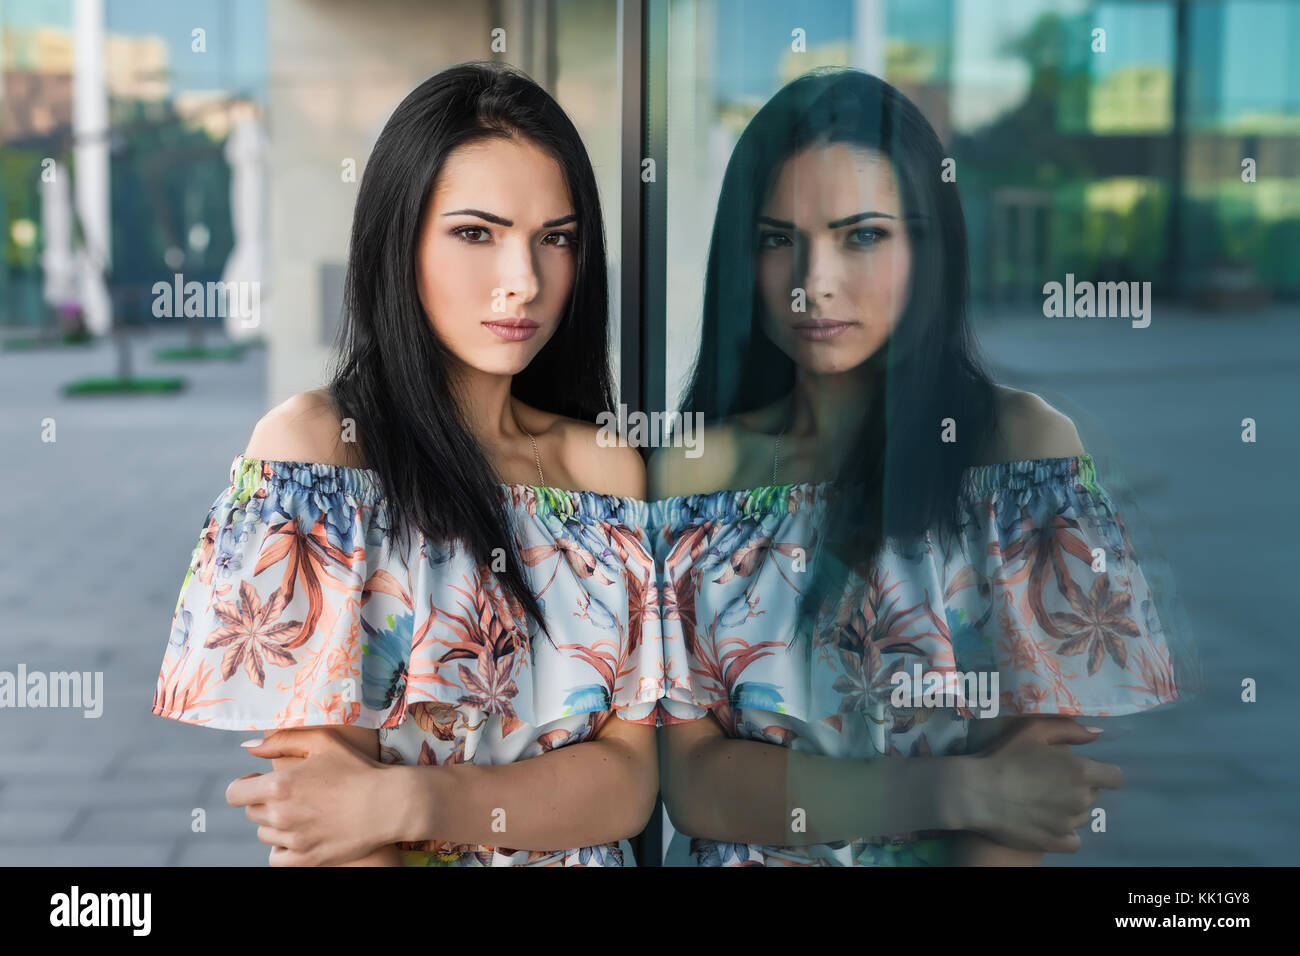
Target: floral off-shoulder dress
{"type": "Point", "coordinates": [301, 609]}
{"type": "Point", "coordinates": [1022, 592]}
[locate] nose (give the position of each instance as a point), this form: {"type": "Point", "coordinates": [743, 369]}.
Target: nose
{"type": "Point", "coordinates": [821, 268]}
{"type": "Point", "coordinates": [519, 278]}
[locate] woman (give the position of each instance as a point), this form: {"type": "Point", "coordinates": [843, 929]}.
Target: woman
{"type": "Point", "coordinates": [395, 571]}
{"type": "Point", "coordinates": [835, 344]}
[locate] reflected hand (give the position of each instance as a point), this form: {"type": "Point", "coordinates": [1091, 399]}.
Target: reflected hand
{"type": "Point", "coordinates": [1029, 792]}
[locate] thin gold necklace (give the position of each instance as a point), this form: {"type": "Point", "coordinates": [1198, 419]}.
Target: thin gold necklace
{"type": "Point", "coordinates": [537, 458]}
{"type": "Point", "coordinates": [776, 455]}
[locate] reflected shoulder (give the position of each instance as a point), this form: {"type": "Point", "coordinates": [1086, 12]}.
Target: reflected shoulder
{"type": "Point", "coordinates": [1030, 428]}
{"type": "Point", "coordinates": [707, 464]}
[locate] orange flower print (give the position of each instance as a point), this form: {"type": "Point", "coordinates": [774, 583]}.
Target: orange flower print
{"type": "Point", "coordinates": [249, 635]}
{"type": "Point", "coordinates": [1100, 625]}
{"type": "Point", "coordinates": [492, 687]}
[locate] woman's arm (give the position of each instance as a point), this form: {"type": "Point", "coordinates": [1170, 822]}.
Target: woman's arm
{"type": "Point", "coordinates": [270, 802]}
{"type": "Point", "coordinates": [366, 741]}
{"type": "Point", "coordinates": [597, 791]}
{"type": "Point", "coordinates": [974, 849]}
{"type": "Point", "coordinates": [329, 800]}
{"type": "Point", "coordinates": [745, 791]}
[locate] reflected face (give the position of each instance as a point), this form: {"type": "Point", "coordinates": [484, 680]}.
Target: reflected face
{"type": "Point", "coordinates": [833, 227]}
{"type": "Point", "coordinates": [497, 253]}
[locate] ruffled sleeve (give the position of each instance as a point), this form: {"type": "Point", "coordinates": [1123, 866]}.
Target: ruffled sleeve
{"type": "Point", "coordinates": [1038, 605]}
{"type": "Point", "coordinates": [276, 624]}
{"type": "Point", "coordinates": [301, 608]}
{"type": "Point", "coordinates": [667, 518]}
{"type": "Point", "coordinates": [1045, 590]}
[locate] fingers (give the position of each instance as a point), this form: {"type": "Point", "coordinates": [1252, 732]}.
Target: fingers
{"type": "Point", "coordinates": [292, 742]}
{"type": "Point", "coordinates": [1068, 841]}
{"type": "Point", "coordinates": [1040, 839]}
{"type": "Point", "coordinates": [259, 813]}
{"type": "Point", "coordinates": [1069, 732]}
{"type": "Point", "coordinates": [1055, 729]}
{"type": "Point", "coordinates": [281, 839]}
{"type": "Point", "coordinates": [1098, 774]}
{"type": "Point", "coordinates": [283, 856]}
{"type": "Point", "coordinates": [1062, 843]}
{"type": "Point", "coordinates": [1081, 821]}
{"type": "Point", "coordinates": [248, 789]}
{"type": "Point", "coordinates": [1051, 729]}
{"type": "Point", "coordinates": [289, 849]}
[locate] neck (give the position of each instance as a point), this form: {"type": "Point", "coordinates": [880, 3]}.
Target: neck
{"type": "Point", "coordinates": [828, 408]}
{"type": "Point", "coordinates": [487, 407]}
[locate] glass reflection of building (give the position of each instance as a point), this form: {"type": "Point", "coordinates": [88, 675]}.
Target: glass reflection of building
{"type": "Point", "coordinates": [1122, 161]}
{"type": "Point", "coordinates": [1069, 155]}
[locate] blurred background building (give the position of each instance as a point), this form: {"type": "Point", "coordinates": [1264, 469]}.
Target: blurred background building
{"type": "Point", "coordinates": [1108, 164]}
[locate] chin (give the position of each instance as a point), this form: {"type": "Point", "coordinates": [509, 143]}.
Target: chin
{"type": "Point", "coordinates": [825, 364]}
{"type": "Point", "coordinates": [513, 367]}
{"type": "Point", "coordinates": [499, 364]}
{"type": "Point", "coordinates": [825, 359]}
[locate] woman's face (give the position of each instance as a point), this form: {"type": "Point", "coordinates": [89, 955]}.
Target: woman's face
{"type": "Point", "coordinates": [497, 253]}
{"type": "Point", "coordinates": [833, 228]}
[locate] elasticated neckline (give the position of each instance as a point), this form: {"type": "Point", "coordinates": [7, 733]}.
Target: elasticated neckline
{"type": "Point", "coordinates": [364, 485]}
{"type": "Point", "coordinates": [978, 482]}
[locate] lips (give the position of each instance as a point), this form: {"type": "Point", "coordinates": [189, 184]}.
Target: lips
{"type": "Point", "coordinates": [513, 329]}
{"type": "Point", "coordinates": [817, 330]}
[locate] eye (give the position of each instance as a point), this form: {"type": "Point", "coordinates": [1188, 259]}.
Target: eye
{"type": "Point", "coordinates": [868, 236]}
{"type": "Point", "coordinates": [569, 238]}
{"type": "Point", "coordinates": [765, 240]}
{"type": "Point", "coordinates": [462, 231]}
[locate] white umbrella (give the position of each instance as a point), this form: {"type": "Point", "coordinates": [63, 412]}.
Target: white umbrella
{"type": "Point", "coordinates": [246, 152]}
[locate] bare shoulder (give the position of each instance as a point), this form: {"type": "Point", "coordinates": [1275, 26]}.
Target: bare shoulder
{"type": "Point", "coordinates": [704, 461]}
{"type": "Point", "coordinates": [597, 464]}
{"type": "Point", "coordinates": [1029, 428]}
{"type": "Point", "coordinates": [304, 427]}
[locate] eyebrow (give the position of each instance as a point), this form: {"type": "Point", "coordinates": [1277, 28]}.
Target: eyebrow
{"type": "Point", "coordinates": [846, 221]}
{"type": "Point", "coordinates": [506, 222]}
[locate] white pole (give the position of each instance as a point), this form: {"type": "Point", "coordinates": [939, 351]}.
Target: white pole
{"type": "Point", "coordinates": [90, 135]}
{"type": "Point", "coordinates": [868, 50]}
{"type": "Point", "coordinates": [57, 260]}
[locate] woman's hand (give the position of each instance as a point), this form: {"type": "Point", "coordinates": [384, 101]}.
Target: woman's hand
{"type": "Point", "coordinates": [1028, 792]}
{"type": "Point", "coordinates": [324, 804]}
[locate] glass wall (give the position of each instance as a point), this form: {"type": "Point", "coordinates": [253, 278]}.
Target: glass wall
{"type": "Point", "coordinates": [1149, 143]}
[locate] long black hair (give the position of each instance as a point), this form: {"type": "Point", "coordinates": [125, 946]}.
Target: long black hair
{"type": "Point", "coordinates": [899, 479]}
{"type": "Point", "coordinates": [392, 373]}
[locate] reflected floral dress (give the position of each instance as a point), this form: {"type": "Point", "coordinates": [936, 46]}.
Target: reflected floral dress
{"type": "Point", "coordinates": [1041, 586]}
{"type": "Point", "coordinates": [300, 608]}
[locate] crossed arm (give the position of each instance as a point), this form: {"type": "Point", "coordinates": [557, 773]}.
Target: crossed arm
{"type": "Point", "coordinates": [329, 801]}
{"type": "Point", "coordinates": [1006, 807]}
